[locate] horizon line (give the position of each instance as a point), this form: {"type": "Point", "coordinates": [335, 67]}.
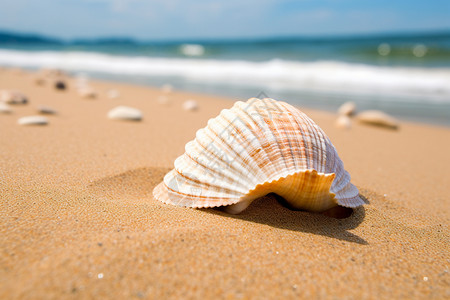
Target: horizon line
{"type": "Point", "coordinates": [340, 36]}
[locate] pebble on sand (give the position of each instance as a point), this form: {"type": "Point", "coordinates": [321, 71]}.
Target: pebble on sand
{"type": "Point", "coordinates": [347, 109]}
{"type": "Point", "coordinates": [190, 105]}
{"type": "Point", "coordinates": [125, 113]}
{"type": "Point", "coordinates": [42, 109]}
{"type": "Point", "coordinates": [13, 97]}
{"type": "Point", "coordinates": [344, 122]}
{"type": "Point", "coordinates": [377, 118]}
{"type": "Point", "coordinates": [60, 85]}
{"type": "Point", "coordinates": [33, 120]}
{"type": "Point", "coordinates": [4, 108]}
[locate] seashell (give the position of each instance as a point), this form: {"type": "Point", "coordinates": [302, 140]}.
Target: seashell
{"type": "Point", "coordinates": [253, 149]}
{"type": "Point", "coordinates": [46, 110]}
{"type": "Point", "coordinates": [190, 105]}
{"type": "Point", "coordinates": [377, 118]}
{"type": "Point", "coordinates": [347, 109]}
{"type": "Point", "coordinates": [13, 97]}
{"type": "Point", "coordinates": [125, 113]}
{"type": "Point", "coordinates": [4, 108]}
{"type": "Point", "coordinates": [33, 120]}
{"type": "Point", "coordinates": [344, 122]}
{"type": "Point", "coordinates": [87, 92]}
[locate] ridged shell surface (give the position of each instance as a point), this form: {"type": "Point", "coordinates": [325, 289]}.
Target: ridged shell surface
{"type": "Point", "coordinates": [256, 148]}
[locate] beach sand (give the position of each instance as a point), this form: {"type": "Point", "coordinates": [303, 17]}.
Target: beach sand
{"type": "Point", "coordinates": [78, 219]}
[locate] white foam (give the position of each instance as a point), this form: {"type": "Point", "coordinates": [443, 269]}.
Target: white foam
{"type": "Point", "coordinates": [322, 76]}
{"type": "Point", "coordinates": [192, 49]}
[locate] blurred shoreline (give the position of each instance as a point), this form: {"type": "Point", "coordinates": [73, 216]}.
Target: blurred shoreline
{"type": "Point", "coordinates": [406, 75]}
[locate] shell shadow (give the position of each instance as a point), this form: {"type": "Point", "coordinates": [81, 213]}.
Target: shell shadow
{"type": "Point", "coordinates": [136, 186]}
{"type": "Point", "coordinates": [267, 210]}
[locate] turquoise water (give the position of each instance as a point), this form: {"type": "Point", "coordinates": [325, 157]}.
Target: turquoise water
{"type": "Point", "coordinates": [406, 75]}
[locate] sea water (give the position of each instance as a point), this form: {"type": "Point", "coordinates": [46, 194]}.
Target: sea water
{"type": "Point", "coordinates": [405, 75]}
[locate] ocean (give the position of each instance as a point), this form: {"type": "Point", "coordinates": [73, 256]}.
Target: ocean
{"type": "Point", "coordinates": [406, 75]}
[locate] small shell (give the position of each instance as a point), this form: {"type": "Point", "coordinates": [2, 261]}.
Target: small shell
{"type": "Point", "coordinates": [46, 110]}
{"type": "Point", "coordinates": [33, 120]}
{"type": "Point", "coordinates": [343, 122]}
{"type": "Point", "coordinates": [13, 97]}
{"type": "Point", "coordinates": [377, 118]}
{"type": "Point", "coordinates": [347, 109]}
{"type": "Point", "coordinates": [4, 108]}
{"type": "Point", "coordinates": [190, 105]}
{"type": "Point", "coordinates": [125, 113]}
{"type": "Point", "coordinates": [87, 92]}
{"type": "Point", "coordinates": [253, 149]}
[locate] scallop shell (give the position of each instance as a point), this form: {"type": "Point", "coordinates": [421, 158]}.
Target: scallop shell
{"type": "Point", "coordinates": [253, 149]}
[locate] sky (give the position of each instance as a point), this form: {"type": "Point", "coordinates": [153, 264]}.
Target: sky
{"type": "Point", "coordinates": [214, 19]}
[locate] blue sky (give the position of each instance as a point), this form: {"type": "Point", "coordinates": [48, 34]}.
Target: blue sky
{"type": "Point", "coordinates": [192, 19]}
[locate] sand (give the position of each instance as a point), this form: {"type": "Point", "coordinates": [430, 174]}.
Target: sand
{"type": "Point", "coordinates": [78, 219]}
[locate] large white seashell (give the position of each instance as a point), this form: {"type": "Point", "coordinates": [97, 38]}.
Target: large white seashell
{"type": "Point", "coordinates": [256, 148]}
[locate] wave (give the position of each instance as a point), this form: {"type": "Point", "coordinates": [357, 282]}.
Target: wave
{"type": "Point", "coordinates": [431, 84]}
